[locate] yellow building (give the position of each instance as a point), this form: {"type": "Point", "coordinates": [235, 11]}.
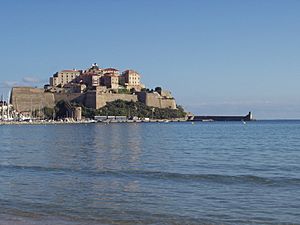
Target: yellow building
{"type": "Point", "coordinates": [111, 71]}
{"type": "Point", "coordinates": [131, 79]}
{"type": "Point", "coordinates": [64, 77]}
{"type": "Point", "coordinates": [94, 76]}
{"type": "Point", "coordinates": [110, 80]}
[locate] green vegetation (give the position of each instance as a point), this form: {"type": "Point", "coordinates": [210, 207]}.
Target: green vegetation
{"type": "Point", "coordinates": [88, 112]}
{"type": "Point", "coordinates": [61, 110]}
{"type": "Point", "coordinates": [117, 108]}
{"type": "Point", "coordinates": [49, 113]}
{"type": "Point", "coordinates": [158, 89]}
{"type": "Point", "coordinates": [124, 91]}
{"type": "Point", "coordinates": [44, 113]}
{"type": "Point", "coordinates": [133, 109]}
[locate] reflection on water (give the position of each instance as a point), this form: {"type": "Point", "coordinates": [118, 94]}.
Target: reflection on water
{"type": "Point", "coordinates": [174, 173]}
{"type": "Point", "coordinates": [112, 144]}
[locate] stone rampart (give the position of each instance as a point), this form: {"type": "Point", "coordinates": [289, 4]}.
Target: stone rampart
{"type": "Point", "coordinates": [71, 97]}
{"type": "Point", "coordinates": [26, 99]}
{"type": "Point", "coordinates": [168, 103]}
{"type": "Point", "coordinates": [103, 98]}
{"type": "Point", "coordinates": [31, 99]}
{"type": "Point", "coordinates": [156, 100]}
{"type": "Point", "coordinates": [90, 99]}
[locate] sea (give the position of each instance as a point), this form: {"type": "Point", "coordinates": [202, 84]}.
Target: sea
{"type": "Point", "coordinates": [150, 173]}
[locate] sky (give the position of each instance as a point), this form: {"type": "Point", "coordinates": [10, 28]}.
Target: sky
{"type": "Point", "coordinates": [218, 57]}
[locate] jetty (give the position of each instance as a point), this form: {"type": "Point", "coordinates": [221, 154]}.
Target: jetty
{"type": "Point", "coordinates": [248, 117]}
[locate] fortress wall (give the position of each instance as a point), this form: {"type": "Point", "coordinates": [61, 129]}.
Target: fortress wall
{"type": "Point", "coordinates": [155, 100]}
{"type": "Point", "coordinates": [90, 99]}
{"type": "Point", "coordinates": [103, 98]}
{"type": "Point", "coordinates": [168, 103]}
{"type": "Point", "coordinates": [71, 97]}
{"type": "Point", "coordinates": [27, 98]}
{"type": "Point", "coordinates": [150, 99]}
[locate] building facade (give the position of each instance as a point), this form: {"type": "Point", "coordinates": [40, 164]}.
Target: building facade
{"type": "Point", "coordinates": [64, 77]}
{"type": "Point", "coordinates": [94, 69]}
{"type": "Point", "coordinates": [111, 71]}
{"type": "Point", "coordinates": [110, 80]}
{"type": "Point", "coordinates": [131, 79]}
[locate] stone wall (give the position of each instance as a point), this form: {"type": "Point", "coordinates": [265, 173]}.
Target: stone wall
{"type": "Point", "coordinates": [71, 97]}
{"type": "Point", "coordinates": [156, 100]}
{"type": "Point", "coordinates": [103, 98]}
{"type": "Point", "coordinates": [97, 100]}
{"type": "Point", "coordinates": [26, 99]}
{"type": "Point", "coordinates": [168, 103]}
{"type": "Point", "coordinates": [90, 99]}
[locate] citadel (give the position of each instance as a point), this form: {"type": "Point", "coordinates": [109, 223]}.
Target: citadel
{"type": "Point", "coordinates": [92, 88]}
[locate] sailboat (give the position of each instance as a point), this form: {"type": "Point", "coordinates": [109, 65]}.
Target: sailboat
{"type": "Point", "coordinates": [8, 115]}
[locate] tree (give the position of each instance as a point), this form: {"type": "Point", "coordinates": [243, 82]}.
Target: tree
{"type": "Point", "coordinates": [49, 113]}
{"type": "Point", "coordinates": [138, 109]}
{"type": "Point", "coordinates": [158, 89]}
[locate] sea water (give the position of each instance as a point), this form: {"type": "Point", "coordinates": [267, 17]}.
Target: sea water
{"type": "Point", "coordinates": [151, 173]}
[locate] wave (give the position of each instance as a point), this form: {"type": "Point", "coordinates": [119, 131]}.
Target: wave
{"type": "Point", "coordinates": [217, 178]}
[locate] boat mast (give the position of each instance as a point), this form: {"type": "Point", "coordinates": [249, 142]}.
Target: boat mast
{"type": "Point", "coordinates": [8, 105]}
{"type": "Point", "coordinates": [2, 107]}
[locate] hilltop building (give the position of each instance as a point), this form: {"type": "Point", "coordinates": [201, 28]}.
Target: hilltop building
{"type": "Point", "coordinates": [94, 69]}
{"type": "Point", "coordinates": [60, 79]}
{"type": "Point", "coordinates": [131, 80]}
{"type": "Point", "coordinates": [111, 71]}
{"type": "Point", "coordinates": [110, 80]}
{"type": "Point", "coordinates": [93, 77]}
{"type": "Point", "coordinates": [93, 88]}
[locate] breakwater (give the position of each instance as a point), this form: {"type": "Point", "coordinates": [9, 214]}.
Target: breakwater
{"type": "Point", "coordinates": [247, 117]}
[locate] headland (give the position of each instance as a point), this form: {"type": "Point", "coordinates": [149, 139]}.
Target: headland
{"type": "Point", "coordinates": [74, 95]}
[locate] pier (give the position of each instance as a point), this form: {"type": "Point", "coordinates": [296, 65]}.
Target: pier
{"type": "Point", "coordinates": [248, 117]}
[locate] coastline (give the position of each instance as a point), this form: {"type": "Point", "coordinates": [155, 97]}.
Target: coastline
{"type": "Point", "coordinates": [88, 122]}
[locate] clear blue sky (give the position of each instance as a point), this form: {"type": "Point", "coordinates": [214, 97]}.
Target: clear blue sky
{"type": "Point", "coordinates": [217, 57]}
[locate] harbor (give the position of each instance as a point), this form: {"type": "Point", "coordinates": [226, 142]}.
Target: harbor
{"type": "Point", "coordinates": [88, 121]}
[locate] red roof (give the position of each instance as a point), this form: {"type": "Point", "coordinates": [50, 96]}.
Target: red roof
{"type": "Point", "coordinates": [130, 71]}
{"type": "Point", "coordinates": [110, 75]}
{"type": "Point", "coordinates": [133, 71]}
{"type": "Point", "coordinates": [112, 69]}
{"type": "Point", "coordinates": [89, 74]}
{"type": "Point", "coordinates": [69, 71]}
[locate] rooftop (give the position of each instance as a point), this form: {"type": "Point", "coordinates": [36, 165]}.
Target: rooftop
{"type": "Point", "coordinates": [66, 71]}
{"type": "Point", "coordinates": [111, 69]}
{"type": "Point", "coordinates": [110, 75]}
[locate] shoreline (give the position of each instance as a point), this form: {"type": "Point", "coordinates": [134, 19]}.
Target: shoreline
{"type": "Point", "coordinates": [87, 122]}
